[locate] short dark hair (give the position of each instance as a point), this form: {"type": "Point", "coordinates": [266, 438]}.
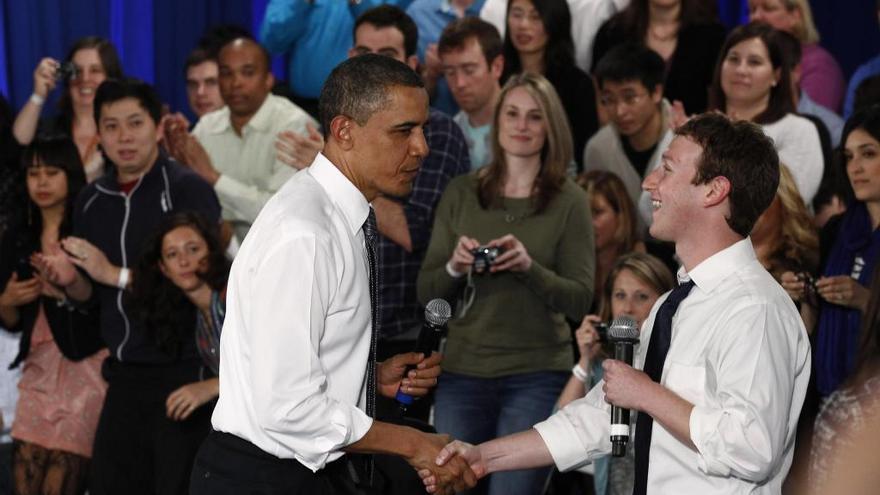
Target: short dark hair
{"type": "Point", "coordinates": [358, 87]}
{"type": "Point", "coordinates": [249, 40]}
{"type": "Point", "coordinates": [197, 57]}
{"type": "Point", "coordinates": [741, 152]}
{"type": "Point", "coordinates": [113, 90]}
{"type": "Point", "coordinates": [781, 102]}
{"type": "Point", "coordinates": [867, 93]}
{"type": "Point", "coordinates": [217, 36]}
{"type": "Point", "coordinates": [458, 32]}
{"type": "Point", "coordinates": [385, 16]}
{"type": "Point", "coordinates": [631, 62]}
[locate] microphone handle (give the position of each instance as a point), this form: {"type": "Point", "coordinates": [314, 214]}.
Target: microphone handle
{"type": "Point", "coordinates": [623, 351]}
{"type": "Point", "coordinates": [429, 339]}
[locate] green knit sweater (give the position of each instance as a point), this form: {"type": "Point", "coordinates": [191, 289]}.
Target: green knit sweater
{"type": "Point", "coordinates": [517, 321]}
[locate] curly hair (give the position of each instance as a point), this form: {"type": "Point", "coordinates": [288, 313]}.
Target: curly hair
{"type": "Point", "coordinates": [800, 241]}
{"type": "Point", "coordinates": [160, 305]}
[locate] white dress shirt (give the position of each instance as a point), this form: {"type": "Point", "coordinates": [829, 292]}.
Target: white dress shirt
{"type": "Point", "coordinates": [741, 355]}
{"type": "Point", "coordinates": [296, 338]}
{"type": "Point", "coordinates": [587, 17]}
{"type": "Point", "coordinates": [249, 171]}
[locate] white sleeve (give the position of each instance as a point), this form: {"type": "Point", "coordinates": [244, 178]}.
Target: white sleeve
{"type": "Point", "coordinates": [801, 151]}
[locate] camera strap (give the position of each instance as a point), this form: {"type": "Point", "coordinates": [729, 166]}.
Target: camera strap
{"type": "Point", "coordinates": [467, 295]}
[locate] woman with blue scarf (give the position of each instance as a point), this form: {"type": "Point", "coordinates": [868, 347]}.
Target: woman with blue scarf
{"type": "Point", "coordinates": [854, 248]}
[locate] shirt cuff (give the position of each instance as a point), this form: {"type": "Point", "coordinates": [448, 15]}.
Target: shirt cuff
{"type": "Point", "coordinates": [560, 435]}
{"type": "Point", "coordinates": [451, 271]}
{"type": "Point", "coordinates": [703, 424]}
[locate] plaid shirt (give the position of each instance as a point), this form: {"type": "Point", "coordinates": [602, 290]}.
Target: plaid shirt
{"type": "Point", "coordinates": [399, 310]}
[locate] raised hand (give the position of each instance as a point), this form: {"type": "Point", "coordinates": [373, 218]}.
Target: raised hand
{"type": "Point", "coordinates": [297, 150]}
{"type": "Point", "coordinates": [588, 338]}
{"type": "Point", "coordinates": [462, 259]}
{"type": "Point", "coordinates": [417, 383]}
{"type": "Point", "coordinates": [44, 76]}
{"type": "Point", "coordinates": [515, 256]}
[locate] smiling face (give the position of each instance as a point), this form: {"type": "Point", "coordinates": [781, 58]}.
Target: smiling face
{"type": "Point", "coordinates": [862, 155]}
{"type": "Point", "coordinates": [631, 296]}
{"type": "Point", "coordinates": [747, 74]}
{"type": "Point", "coordinates": [388, 149]}
{"type": "Point", "coordinates": [184, 258]}
{"type": "Point", "coordinates": [89, 75]}
{"type": "Point", "coordinates": [46, 186]}
{"type": "Point", "coordinates": [775, 13]}
{"type": "Point", "coordinates": [674, 197]}
{"type": "Point", "coordinates": [525, 27]}
{"type": "Point", "coordinates": [129, 137]}
{"type": "Point", "coordinates": [522, 128]}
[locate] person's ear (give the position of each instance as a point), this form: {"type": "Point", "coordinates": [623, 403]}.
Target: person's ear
{"type": "Point", "coordinates": [718, 190]}
{"type": "Point", "coordinates": [413, 62]}
{"type": "Point", "coordinates": [341, 128]}
{"type": "Point", "coordinates": [497, 66]}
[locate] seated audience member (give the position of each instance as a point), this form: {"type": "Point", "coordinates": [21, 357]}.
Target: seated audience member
{"type": "Point", "coordinates": [586, 17]}
{"type": "Point", "coordinates": [202, 84]}
{"type": "Point", "coordinates": [93, 60]}
{"type": "Point", "coordinates": [615, 222]}
{"type": "Point", "coordinates": [752, 83]}
{"type": "Point", "coordinates": [470, 53]}
{"type": "Point", "coordinates": [869, 69]}
{"type": "Point", "coordinates": [233, 148]}
{"type": "Point", "coordinates": [538, 40]}
{"type": "Point", "coordinates": [849, 247]}
{"type": "Point", "coordinates": [316, 36]}
{"type": "Point", "coordinates": [113, 219]}
{"type": "Point", "coordinates": [685, 33]}
{"type": "Point", "coordinates": [633, 286]}
{"type": "Point", "coordinates": [784, 237]}
{"type": "Point", "coordinates": [821, 77]}
{"type": "Point", "coordinates": [178, 294]}
{"type": "Point", "coordinates": [843, 456]}
{"type": "Point", "coordinates": [405, 223]}
{"type": "Point", "coordinates": [630, 82]}
{"type": "Point", "coordinates": [61, 389]}
{"type": "Point", "coordinates": [509, 353]}
{"type": "Point", "coordinates": [791, 50]}
{"type": "Point", "coordinates": [868, 93]}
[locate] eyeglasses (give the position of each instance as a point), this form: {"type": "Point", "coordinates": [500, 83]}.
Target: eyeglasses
{"type": "Point", "coordinates": [628, 100]}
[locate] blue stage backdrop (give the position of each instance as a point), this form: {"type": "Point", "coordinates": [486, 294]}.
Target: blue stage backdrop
{"type": "Point", "coordinates": [154, 36]}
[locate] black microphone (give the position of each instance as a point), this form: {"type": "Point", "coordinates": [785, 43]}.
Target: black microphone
{"type": "Point", "coordinates": [437, 313]}
{"type": "Point", "coordinates": [623, 334]}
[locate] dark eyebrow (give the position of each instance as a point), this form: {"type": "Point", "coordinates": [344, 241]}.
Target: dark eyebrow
{"type": "Point", "coordinates": [405, 126]}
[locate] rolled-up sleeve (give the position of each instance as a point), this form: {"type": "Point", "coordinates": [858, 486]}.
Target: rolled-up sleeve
{"type": "Point", "coordinates": [743, 432]}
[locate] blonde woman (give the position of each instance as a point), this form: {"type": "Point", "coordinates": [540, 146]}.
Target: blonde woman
{"type": "Point", "coordinates": [821, 77]}
{"type": "Point", "coordinates": [508, 353]}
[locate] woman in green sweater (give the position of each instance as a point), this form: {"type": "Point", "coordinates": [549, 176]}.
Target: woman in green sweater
{"type": "Point", "coordinates": [509, 352]}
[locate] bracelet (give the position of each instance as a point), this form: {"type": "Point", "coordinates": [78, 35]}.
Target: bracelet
{"type": "Point", "coordinates": [580, 373]}
{"type": "Point", "coordinates": [124, 274]}
{"type": "Point", "coordinates": [37, 99]}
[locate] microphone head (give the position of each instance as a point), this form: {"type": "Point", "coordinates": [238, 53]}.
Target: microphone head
{"type": "Point", "coordinates": [438, 312]}
{"type": "Point", "coordinates": [623, 328]}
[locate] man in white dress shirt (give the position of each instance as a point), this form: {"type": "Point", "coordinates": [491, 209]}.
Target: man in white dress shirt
{"type": "Point", "coordinates": [723, 416]}
{"type": "Point", "coordinates": [297, 335]}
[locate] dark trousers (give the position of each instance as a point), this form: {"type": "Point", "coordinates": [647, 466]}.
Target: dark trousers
{"type": "Point", "coordinates": [138, 449]}
{"type": "Point", "coordinates": [229, 465]}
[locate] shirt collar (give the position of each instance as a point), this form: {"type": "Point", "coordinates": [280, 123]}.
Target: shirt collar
{"type": "Point", "coordinates": [714, 269]}
{"type": "Point", "coordinates": [342, 192]}
{"type": "Point", "coordinates": [473, 11]}
{"type": "Point", "coordinates": [220, 121]}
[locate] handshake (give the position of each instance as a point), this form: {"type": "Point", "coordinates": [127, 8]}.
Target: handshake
{"type": "Point", "coordinates": [446, 466]}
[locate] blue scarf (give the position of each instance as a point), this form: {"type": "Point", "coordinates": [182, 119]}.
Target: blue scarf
{"type": "Point", "coordinates": [839, 329]}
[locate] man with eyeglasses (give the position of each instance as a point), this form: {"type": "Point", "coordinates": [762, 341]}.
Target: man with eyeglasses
{"type": "Point", "coordinates": [630, 81]}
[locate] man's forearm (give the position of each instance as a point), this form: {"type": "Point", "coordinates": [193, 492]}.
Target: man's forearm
{"type": "Point", "coordinates": [672, 413]}
{"type": "Point", "coordinates": [392, 223]}
{"type": "Point", "coordinates": [524, 450]}
{"type": "Point", "coordinates": [386, 438]}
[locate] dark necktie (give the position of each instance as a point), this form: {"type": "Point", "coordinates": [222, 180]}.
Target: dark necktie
{"type": "Point", "coordinates": [371, 234]}
{"type": "Point", "coordinates": [655, 357]}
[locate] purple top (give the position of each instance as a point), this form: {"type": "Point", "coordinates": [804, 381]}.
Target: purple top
{"type": "Point", "coordinates": [821, 77]}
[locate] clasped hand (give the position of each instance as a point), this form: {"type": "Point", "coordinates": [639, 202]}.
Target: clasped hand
{"type": "Point", "coordinates": [453, 474]}
{"type": "Point", "coordinates": [515, 256]}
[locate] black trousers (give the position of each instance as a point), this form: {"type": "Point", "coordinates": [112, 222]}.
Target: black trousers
{"type": "Point", "coordinates": [229, 465]}
{"type": "Point", "coordinates": [138, 449]}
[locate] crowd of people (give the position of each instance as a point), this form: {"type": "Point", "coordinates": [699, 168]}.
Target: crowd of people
{"type": "Point", "coordinates": [544, 194]}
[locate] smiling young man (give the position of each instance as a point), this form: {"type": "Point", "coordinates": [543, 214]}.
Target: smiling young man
{"type": "Point", "coordinates": [298, 376]}
{"type": "Point", "coordinates": [630, 81]}
{"type": "Point", "coordinates": [725, 355]}
{"type": "Point", "coordinates": [113, 220]}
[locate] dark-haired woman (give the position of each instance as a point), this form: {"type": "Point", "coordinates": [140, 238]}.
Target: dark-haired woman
{"type": "Point", "coordinates": [752, 82]}
{"type": "Point", "coordinates": [684, 32]}
{"type": "Point", "coordinates": [509, 352]}
{"type": "Point", "coordinates": [61, 389]}
{"type": "Point", "coordinates": [538, 40]}
{"type": "Point", "coordinates": [95, 60]}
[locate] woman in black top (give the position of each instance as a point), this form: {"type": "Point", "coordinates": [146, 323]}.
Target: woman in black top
{"type": "Point", "coordinates": [538, 39]}
{"type": "Point", "coordinates": [684, 32]}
